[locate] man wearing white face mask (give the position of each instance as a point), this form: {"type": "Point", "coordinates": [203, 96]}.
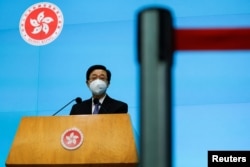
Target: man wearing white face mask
{"type": "Point", "coordinates": [98, 80]}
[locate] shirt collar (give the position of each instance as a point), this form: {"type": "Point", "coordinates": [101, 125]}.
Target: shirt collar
{"type": "Point", "coordinates": [100, 100]}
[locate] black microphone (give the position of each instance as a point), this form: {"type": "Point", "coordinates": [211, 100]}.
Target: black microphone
{"type": "Point", "coordinates": [78, 101]}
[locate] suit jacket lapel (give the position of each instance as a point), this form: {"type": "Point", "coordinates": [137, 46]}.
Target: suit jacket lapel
{"type": "Point", "coordinates": [105, 105]}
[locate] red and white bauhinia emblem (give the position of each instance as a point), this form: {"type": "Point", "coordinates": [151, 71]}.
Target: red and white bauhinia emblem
{"type": "Point", "coordinates": [41, 23]}
{"type": "Point", "coordinates": [72, 139]}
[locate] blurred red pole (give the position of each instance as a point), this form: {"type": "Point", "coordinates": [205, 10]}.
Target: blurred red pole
{"type": "Point", "coordinates": [212, 39]}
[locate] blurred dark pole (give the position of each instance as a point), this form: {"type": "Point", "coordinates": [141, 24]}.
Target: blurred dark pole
{"type": "Point", "coordinates": [155, 52]}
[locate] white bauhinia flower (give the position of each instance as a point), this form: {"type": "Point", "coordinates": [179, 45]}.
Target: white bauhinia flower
{"type": "Point", "coordinates": [71, 138]}
{"type": "Point", "coordinates": [41, 23]}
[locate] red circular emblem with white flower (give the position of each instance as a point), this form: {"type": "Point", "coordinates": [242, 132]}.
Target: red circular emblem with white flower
{"type": "Point", "coordinates": [72, 139]}
{"type": "Point", "coordinates": [41, 23]}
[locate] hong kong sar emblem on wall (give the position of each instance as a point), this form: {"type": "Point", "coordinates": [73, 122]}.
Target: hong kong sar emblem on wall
{"type": "Point", "coordinates": [72, 139]}
{"type": "Point", "coordinates": [41, 23]}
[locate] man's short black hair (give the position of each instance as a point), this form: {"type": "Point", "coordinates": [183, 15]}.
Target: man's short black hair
{"type": "Point", "coordinates": [98, 67]}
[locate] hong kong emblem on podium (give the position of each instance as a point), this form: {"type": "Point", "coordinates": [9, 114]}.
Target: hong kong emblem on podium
{"type": "Point", "coordinates": [41, 23]}
{"type": "Point", "coordinates": [72, 139]}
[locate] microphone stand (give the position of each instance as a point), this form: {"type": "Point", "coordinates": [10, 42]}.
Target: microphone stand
{"type": "Point", "coordinates": [63, 107]}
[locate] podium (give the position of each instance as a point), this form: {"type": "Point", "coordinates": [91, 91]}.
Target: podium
{"type": "Point", "coordinates": [79, 140]}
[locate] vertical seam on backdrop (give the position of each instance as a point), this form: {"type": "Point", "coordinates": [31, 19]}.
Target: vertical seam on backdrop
{"type": "Point", "coordinates": [38, 80]}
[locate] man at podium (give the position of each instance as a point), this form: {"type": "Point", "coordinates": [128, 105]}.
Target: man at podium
{"type": "Point", "coordinates": [98, 80]}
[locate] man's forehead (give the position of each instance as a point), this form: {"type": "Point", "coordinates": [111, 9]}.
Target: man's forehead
{"type": "Point", "coordinates": [98, 71]}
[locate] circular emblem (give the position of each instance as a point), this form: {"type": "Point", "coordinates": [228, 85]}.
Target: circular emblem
{"type": "Point", "coordinates": [41, 23]}
{"type": "Point", "coordinates": [72, 139]}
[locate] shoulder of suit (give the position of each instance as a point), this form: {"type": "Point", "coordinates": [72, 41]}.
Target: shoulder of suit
{"type": "Point", "coordinates": [114, 100]}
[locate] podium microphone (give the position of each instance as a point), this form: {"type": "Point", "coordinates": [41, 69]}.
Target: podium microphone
{"type": "Point", "coordinates": [78, 100]}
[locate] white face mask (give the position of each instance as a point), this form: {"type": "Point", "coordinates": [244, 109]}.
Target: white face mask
{"type": "Point", "coordinates": [98, 87]}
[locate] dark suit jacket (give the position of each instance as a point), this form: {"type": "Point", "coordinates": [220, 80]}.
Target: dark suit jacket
{"type": "Point", "coordinates": [109, 106]}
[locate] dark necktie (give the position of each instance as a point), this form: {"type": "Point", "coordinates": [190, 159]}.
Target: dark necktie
{"type": "Point", "coordinates": [96, 109]}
